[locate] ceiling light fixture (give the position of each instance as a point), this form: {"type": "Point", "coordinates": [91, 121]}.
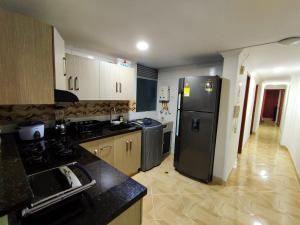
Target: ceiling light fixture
{"type": "Point", "coordinates": [278, 69]}
{"type": "Point", "coordinates": [91, 57]}
{"type": "Point", "coordinates": [142, 45]}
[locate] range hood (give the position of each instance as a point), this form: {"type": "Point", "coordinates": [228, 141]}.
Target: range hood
{"type": "Point", "coordinates": [64, 96]}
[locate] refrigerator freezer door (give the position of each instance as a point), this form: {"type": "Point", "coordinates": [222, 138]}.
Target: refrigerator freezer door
{"type": "Point", "coordinates": [200, 93]}
{"type": "Point", "coordinates": [194, 148]}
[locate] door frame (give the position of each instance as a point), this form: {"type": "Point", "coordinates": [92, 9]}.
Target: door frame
{"type": "Point", "coordinates": [281, 105]}
{"type": "Point", "coordinates": [244, 115]}
{"type": "Point", "coordinates": [254, 108]}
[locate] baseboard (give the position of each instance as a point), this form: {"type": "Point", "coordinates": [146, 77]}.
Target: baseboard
{"type": "Point", "coordinates": [297, 175]}
{"type": "Point", "coordinates": [217, 181]}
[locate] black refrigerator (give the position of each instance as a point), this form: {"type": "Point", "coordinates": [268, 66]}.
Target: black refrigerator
{"type": "Point", "coordinates": [196, 126]}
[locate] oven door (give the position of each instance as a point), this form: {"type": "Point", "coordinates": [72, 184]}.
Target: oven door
{"type": "Point", "coordinates": [54, 185]}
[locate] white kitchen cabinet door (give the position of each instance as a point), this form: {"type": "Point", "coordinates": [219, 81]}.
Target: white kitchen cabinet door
{"type": "Point", "coordinates": [86, 79]}
{"type": "Point", "coordinates": [127, 79]}
{"type": "Point", "coordinates": [71, 69]}
{"type": "Point", "coordinates": [59, 61]}
{"type": "Point", "coordinates": [131, 82]}
{"type": "Point", "coordinates": [109, 87]}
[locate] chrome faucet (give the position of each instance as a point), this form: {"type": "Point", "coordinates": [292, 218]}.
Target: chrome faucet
{"type": "Point", "coordinates": [112, 109]}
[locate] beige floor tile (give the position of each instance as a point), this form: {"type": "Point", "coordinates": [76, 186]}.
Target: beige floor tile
{"type": "Point", "coordinates": [262, 190]}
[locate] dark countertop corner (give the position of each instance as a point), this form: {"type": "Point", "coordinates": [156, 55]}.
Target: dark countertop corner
{"type": "Point", "coordinates": [15, 191]}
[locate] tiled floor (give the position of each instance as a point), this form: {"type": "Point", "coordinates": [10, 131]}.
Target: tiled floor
{"type": "Point", "coordinates": [263, 189]}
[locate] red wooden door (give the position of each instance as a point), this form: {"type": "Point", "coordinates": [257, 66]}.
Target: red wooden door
{"type": "Point", "coordinates": [270, 104]}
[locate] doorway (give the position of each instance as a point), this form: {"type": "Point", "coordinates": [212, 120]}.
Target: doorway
{"type": "Point", "coordinates": [244, 116]}
{"type": "Point", "coordinates": [272, 107]}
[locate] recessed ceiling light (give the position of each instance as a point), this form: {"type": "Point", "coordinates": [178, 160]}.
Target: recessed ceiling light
{"type": "Point", "coordinates": [142, 45]}
{"type": "Point", "coordinates": [91, 57]}
{"type": "Point", "coordinates": [278, 69]}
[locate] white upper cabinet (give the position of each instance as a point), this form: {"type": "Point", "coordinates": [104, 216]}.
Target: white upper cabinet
{"type": "Point", "coordinates": [59, 61]}
{"type": "Point", "coordinates": [83, 77]}
{"type": "Point", "coordinates": [91, 79]}
{"type": "Point", "coordinates": [109, 86]}
{"type": "Point", "coordinates": [117, 82]}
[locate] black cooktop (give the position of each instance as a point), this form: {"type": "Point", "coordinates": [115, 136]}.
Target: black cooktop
{"type": "Point", "coordinates": [47, 152]}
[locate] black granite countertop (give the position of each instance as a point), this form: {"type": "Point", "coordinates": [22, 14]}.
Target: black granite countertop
{"type": "Point", "coordinates": [113, 193]}
{"type": "Point", "coordinates": [14, 187]}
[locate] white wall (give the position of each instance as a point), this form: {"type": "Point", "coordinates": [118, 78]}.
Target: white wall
{"type": "Point", "coordinates": [170, 77]}
{"type": "Point", "coordinates": [233, 91]}
{"type": "Point", "coordinates": [249, 112]}
{"type": "Point", "coordinates": [291, 128]}
{"type": "Point", "coordinates": [139, 115]}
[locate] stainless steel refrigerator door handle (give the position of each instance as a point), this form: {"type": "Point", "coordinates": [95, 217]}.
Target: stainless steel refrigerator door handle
{"type": "Point", "coordinates": [177, 122]}
{"type": "Point", "coordinates": [179, 101]}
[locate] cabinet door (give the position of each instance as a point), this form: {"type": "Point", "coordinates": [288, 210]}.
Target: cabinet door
{"type": "Point", "coordinates": [131, 82]}
{"type": "Point", "coordinates": [122, 81]}
{"type": "Point", "coordinates": [108, 81]}
{"type": "Point", "coordinates": [59, 59]}
{"type": "Point", "coordinates": [103, 148]}
{"type": "Point", "coordinates": [127, 81]}
{"type": "Point", "coordinates": [135, 151]}
{"type": "Point", "coordinates": [26, 60]}
{"type": "Point", "coordinates": [71, 69]}
{"type": "Point", "coordinates": [128, 153]}
{"type": "Point", "coordinates": [86, 80]}
{"type": "Point", "coordinates": [132, 216]}
{"type": "Point", "coordinates": [122, 156]}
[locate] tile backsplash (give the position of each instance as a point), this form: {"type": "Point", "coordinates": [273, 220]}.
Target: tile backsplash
{"type": "Point", "coordinates": [11, 114]}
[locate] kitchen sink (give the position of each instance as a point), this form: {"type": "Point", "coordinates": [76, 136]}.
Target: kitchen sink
{"type": "Point", "coordinates": [121, 126]}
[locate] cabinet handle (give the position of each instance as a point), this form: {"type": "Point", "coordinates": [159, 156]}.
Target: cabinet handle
{"type": "Point", "coordinates": [105, 147]}
{"type": "Point", "coordinates": [70, 83]}
{"type": "Point", "coordinates": [117, 87]}
{"type": "Point", "coordinates": [96, 152]}
{"type": "Point", "coordinates": [130, 145]}
{"type": "Point", "coordinates": [65, 66]}
{"type": "Point", "coordinates": [76, 84]}
{"type": "Point", "coordinates": [120, 88]}
{"type": "Point", "coordinates": [127, 143]}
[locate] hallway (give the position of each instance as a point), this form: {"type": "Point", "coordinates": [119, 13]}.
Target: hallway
{"type": "Point", "coordinates": [262, 189]}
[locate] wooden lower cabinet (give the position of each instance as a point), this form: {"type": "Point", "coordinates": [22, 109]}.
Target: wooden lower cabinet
{"type": "Point", "coordinates": [103, 148]}
{"type": "Point", "coordinates": [122, 151]}
{"type": "Point", "coordinates": [132, 216]}
{"type": "Point", "coordinates": [128, 153]}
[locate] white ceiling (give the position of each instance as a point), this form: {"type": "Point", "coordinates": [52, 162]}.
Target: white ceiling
{"type": "Point", "coordinates": [179, 31]}
{"type": "Point", "coordinates": [273, 61]}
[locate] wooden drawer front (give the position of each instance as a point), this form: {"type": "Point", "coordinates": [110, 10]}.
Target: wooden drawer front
{"type": "Point", "coordinates": [106, 151]}
{"type": "Point", "coordinates": [103, 149]}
